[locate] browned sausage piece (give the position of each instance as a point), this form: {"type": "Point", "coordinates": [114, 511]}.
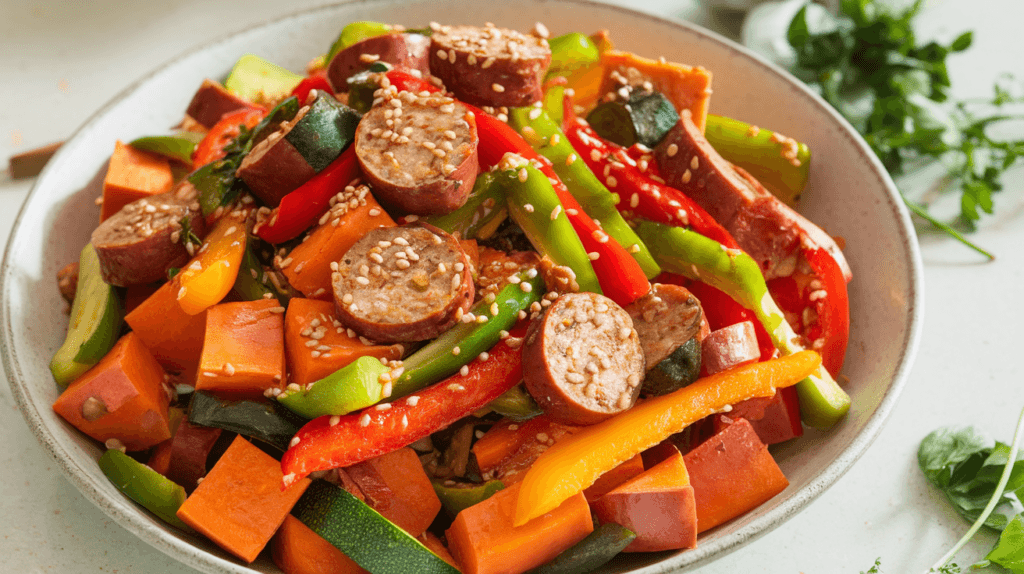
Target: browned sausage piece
{"type": "Point", "coordinates": [582, 359]}
{"type": "Point", "coordinates": [767, 229]}
{"type": "Point", "coordinates": [419, 153]}
{"type": "Point", "coordinates": [408, 51]}
{"type": "Point", "coordinates": [274, 167]}
{"type": "Point", "coordinates": [212, 101]}
{"type": "Point", "coordinates": [729, 347]}
{"type": "Point", "coordinates": [137, 244]}
{"type": "Point", "coordinates": [490, 66]}
{"type": "Point", "coordinates": [665, 318]}
{"type": "Point", "coordinates": [403, 284]}
{"type": "Point", "coordinates": [67, 281]}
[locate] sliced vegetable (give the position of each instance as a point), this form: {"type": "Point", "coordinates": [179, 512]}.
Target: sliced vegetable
{"type": "Point", "coordinates": [121, 398]}
{"type": "Point", "coordinates": [258, 80]}
{"type": "Point", "coordinates": [298, 550]}
{"type": "Point", "coordinates": [211, 273]}
{"type": "Point", "coordinates": [574, 463]}
{"type": "Point", "coordinates": [782, 164]}
{"type": "Point", "coordinates": [178, 147]}
{"type": "Point", "coordinates": [265, 421]}
{"type": "Point", "coordinates": [516, 404]}
{"type": "Point", "coordinates": [457, 496]}
{"type": "Point", "coordinates": [218, 141]}
{"type": "Point", "coordinates": [324, 131]}
{"type": "Point", "coordinates": [572, 54]}
{"type": "Point", "coordinates": [240, 503]}
{"type": "Point", "coordinates": [642, 118]}
{"type": "Point", "coordinates": [484, 539]}
{"type": "Point", "coordinates": [589, 554]}
{"type": "Point", "coordinates": [822, 402]}
{"type": "Point", "coordinates": [355, 386]}
{"type": "Point", "coordinates": [144, 485]}
{"type": "Point", "coordinates": [133, 174]}
{"type": "Point", "coordinates": [173, 336]}
{"type": "Point", "coordinates": [480, 216]}
{"type": "Point", "coordinates": [688, 88]}
{"type": "Point", "coordinates": [317, 81]}
{"type": "Point", "coordinates": [396, 486]}
{"type": "Point", "coordinates": [363, 534]}
{"type": "Point", "coordinates": [831, 332]}
{"type": "Point", "coordinates": [612, 479]}
{"type": "Point", "coordinates": [331, 442]}
{"type": "Point", "coordinates": [243, 349]}
{"type": "Point", "coordinates": [251, 283]}
{"type": "Point", "coordinates": [96, 316]}
{"type": "Point", "coordinates": [676, 371]}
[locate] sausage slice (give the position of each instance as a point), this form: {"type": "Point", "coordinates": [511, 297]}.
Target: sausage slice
{"type": "Point", "coordinates": [403, 284]}
{"type": "Point", "coordinates": [274, 167]}
{"type": "Point", "coordinates": [665, 318]}
{"type": "Point", "coordinates": [212, 101]}
{"type": "Point", "coordinates": [582, 360]}
{"type": "Point", "coordinates": [419, 153]}
{"type": "Point", "coordinates": [137, 244]}
{"type": "Point", "coordinates": [729, 347]}
{"type": "Point", "coordinates": [490, 66]}
{"type": "Point", "coordinates": [408, 51]}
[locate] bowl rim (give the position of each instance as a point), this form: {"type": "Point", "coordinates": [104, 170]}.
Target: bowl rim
{"type": "Point", "coordinates": [134, 519]}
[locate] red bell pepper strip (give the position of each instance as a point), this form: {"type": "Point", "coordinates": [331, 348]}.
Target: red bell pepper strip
{"type": "Point", "coordinates": [621, 278]}
{"type": "Point", "coordinates": [304, 206]}
{"type": "Point", "coordinates": [830, 334]}
{"type": "Point", "coordinates": [318, 81]}
{"type": "Point", "coordinates": [223, 133]}
{"type": "Point", "coordinates": [642, 196]}
{"type": "Point", "coordinates": [330, 442]}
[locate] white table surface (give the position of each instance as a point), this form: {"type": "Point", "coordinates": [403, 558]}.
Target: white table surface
{"type": "Point", "coordinates": [60, 61]}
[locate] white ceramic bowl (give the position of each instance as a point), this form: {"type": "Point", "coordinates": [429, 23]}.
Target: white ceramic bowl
{"type": "Point", "coordinates": [849, 195]}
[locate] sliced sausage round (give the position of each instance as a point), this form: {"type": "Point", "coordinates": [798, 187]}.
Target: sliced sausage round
{"type": "Point", "coordinates": [274, 167]}
{"type": "Point", "coordinates": [419, 153]}
{"type": "Point", "coordinates": [665, 318]}
{"type": "Point", "coordinates": [408, 51]}
{"type": "Point", "coordinates": [582, 360]}
{"type": "Point", "coordinates": [490, 66]}
{"type": "Point", "coordinates": [729, 347]}
{"type": "Point", "coordinates": [140, 242]}
{"type": "Point", "coordinates": [212, 101]}
{"type": "Point", "coordinates": [403, 284]}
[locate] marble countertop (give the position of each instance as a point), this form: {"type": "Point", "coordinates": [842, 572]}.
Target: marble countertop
{"type": "Point", "coordinates": [61, 61]}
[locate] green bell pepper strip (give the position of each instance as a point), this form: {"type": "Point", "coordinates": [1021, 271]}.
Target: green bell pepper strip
{"type": "Point", "coordinates": [155, 492]}
{"type": "Point", "coordinates": [589, 554]}
{"type": "Point", "coordinates": [254, 79]}
{"type": "Point", "coordinates": [534, 206]}
{"type": "Point", "coordinates": [822, 402]}
{"type": "Point", "coordinates": [96, 317]}
{"type": "Point", "coordinates": [439, 359]}
{"type": "Point", "coordinates": [178, 147]}
{"type": "Point", "coordinates": [516, 404]}
{"type": "Point", "coordinates": [251, 283]}
{"type": "Point", "coordinates": [781, 164]}
{"type": "Point", "coordinates": [352, 387]}
{"type": "Point", "coordinates": [572, 53]}
{"type": "Point", "coordinates": [480, 216]}
{"type": "Point", "coordinates": [460, 496]}
{"type": "Point", "coordinates": [264, 421]}
{"type": "Point", "coordinates": [541, 132]}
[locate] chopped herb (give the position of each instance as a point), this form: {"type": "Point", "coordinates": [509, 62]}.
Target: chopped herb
{"type": "Point", "coordinates": [187, 234]}
{"type": "Point", "coordinates": [172, 271]}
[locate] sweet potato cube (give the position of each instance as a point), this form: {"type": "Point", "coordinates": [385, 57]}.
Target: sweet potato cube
{"type": "Point", "coordinates": [132, 175]}
{"type": "Point", "coordinates": [122, 397]}
{"type": "Point", "coordinates": [240, 504]}
{"type": "Point", "coordinates": [657, 505]}
{"type": "Point", "coordinates": [309, 270]}
{"type": "Point", "coordinates": [243, 350]}
{"type": "Point", "coordinates": [613, 478]}
{"type": "Point", "coordinates": [174, 337]}
{"type": "Point", "coordinates": [688, 88]}
{"type": "Point", "coordinates": [310, 318]}
{"type": "Point", "coordinates": [483, 540]}
{"type": "Point", "coordinates": [296, 549]}
{"type": "Point", "coordinates": [396, 486]}
{"type": "Point", "coordinates": [731, 473]}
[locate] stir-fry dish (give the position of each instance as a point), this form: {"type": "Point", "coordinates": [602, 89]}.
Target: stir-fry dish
{"type": "Point", "coordinates": [458, 298]}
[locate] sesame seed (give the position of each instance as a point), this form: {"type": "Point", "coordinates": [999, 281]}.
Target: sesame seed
{"type": "Point", "coordinates": [364, 421]}
{"type": "Point", "coordinates": [229, 369]}
{"type": "Point", "coordinates": [484, 356]}
{"type": "Point", "coordinates": [276, 309]}
{"type": "Point", "coordinates": [673, 149]}
{"type": "Point", "coordinates": [556, 212]}
{"type": "Point", "coordinates": [495, 310]}
{"type": "Point", "coordinates": [181, 293]}
{"type": "Point", "coordinates": [463, 371]}
{"type": "Point", "coordinates": [523, 176]}
{"type": "Point", "coordinates": [593, 255]}
{"type": "Point", "coordinates": [694, 163]}
{"type": "Point", "coordinates": [487, 63]}
{"type": "Point", "coordinates": [611, 181]}
{"type": "Point", "coordinates": [526, 287]}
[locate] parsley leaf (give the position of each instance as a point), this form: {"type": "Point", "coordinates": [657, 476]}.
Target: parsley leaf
{"type": "Point", "coordinates": [1009, 549]}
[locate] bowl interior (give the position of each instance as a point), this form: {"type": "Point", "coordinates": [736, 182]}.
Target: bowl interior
{"type": "Point", "coordinates": [849, 196]}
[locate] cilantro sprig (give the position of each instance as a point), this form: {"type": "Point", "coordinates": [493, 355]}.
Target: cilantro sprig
{"type": "Point", "coordinates": [868, 63]}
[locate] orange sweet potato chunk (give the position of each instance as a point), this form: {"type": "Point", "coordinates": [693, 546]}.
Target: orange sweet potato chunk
{"type": "Point", "coordinates": [309, 270]}
{"type": "Point", "coordinates": [174, 337]}
{"type": "Point", "coordinates": [132, 175]}
{"type": "Point", "coordinates": [243, 350]}
{"type": "Point", "coordinates": [122, 397]}
{"type": "Point", "coordinates": [296, 549]}
{"type": "Point", "coordinates": [396, 486]}
{"type": "Point", "coordinates": [310, 318]}
{"type": "Point", "coordinates": [731, 473]}
{"type": "Point", "coordinates": [688, 88]}
{"type": "Point", "coordinates": [240, 504]}
{"type": "Point", "coordinates": [657, 505]}
{"type": "Point", "coordinates": [613, 478]}
{"type": "Point", "coordinates": [483, 540]}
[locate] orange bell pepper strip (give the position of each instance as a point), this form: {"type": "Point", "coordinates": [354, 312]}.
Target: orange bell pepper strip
{"type": "Point", "coordinates": [211, 273]}
{"type": "Point", "coordinates": [575, 462]}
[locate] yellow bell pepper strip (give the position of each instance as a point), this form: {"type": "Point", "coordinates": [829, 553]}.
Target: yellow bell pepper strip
{"type": "Point", "coordinates": [822, 402]}
{"type": "Point", "coordinates": [212, 272]}
{"type": "Point", "coordinates": [576, 461]}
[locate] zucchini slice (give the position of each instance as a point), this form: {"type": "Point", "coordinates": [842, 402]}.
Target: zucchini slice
{"type": "Point", "coordinates": [268, 422]}
{"type": "Point", "coordinates": [644, 118]}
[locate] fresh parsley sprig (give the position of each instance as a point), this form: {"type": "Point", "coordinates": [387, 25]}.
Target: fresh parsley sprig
{"type": "Point", "coordinates": [870, 66]}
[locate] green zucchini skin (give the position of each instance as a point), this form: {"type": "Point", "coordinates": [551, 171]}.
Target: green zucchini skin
{"type": "Point", "coordinates": [324, 132]}
{"type": "Point", "coordinates": [365, 536]}
{"type": "Point", "coordinates": [644, 118]}
{"type": "Point", "coordinates": [268, 422]}
{"type": "Point", "coordinates": [675, 371]}
{"type": "Point", "coordinates": [144, 485]}
{"type": "Point", "coordinates": [589, 554]}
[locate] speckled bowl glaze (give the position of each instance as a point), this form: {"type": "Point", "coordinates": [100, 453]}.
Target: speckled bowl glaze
{"type": "Point", "coordinates": [849, 195]}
